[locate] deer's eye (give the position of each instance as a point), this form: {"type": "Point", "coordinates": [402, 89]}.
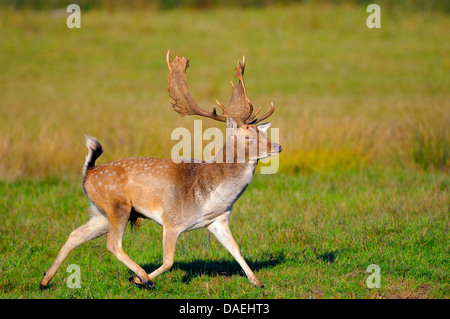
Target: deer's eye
{"type": "Point", "coordinates": [247, 137]}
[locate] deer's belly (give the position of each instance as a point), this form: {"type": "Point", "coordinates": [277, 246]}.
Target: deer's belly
{"type": "Point", "coordinates": [154, 213]}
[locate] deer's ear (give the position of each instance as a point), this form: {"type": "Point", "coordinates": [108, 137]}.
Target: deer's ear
{"type": "Point", "coordinates": [264, 127]}
{"type": "Point", "coordinates": [232, 126]}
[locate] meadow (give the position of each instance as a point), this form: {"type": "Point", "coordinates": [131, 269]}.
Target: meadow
{"type": "Point", "coordinates": [364, 121]}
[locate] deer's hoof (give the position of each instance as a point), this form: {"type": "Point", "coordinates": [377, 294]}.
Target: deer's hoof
{"type": "Point", "coordinates": [42, 287]}
{"type": "Point", "coordinates": [257, 283]}
{"type": "Point", "coordinates": [260, 285]}
{"type": "Point", "coordinates": [149, 284]}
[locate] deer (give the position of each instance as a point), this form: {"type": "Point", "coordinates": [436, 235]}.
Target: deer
{"type": "Point", "coordinates": [178, 195]}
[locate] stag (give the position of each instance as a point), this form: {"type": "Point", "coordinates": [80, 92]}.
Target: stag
{"type": "Point", "coordinates": [180, 196]}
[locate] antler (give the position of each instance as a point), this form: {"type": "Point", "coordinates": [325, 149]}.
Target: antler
{"type": "Point", "coordinates": [184, 104]}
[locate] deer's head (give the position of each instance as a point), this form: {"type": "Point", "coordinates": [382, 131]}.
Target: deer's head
{"type": "Point", "coordinates": [251, 141]}
{"type": "Point", "coordinates": [246, 135]}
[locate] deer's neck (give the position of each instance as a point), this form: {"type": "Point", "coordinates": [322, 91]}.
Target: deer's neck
{"type": "Point", "coordinates": [231, 154]}
{"type": "Point", "coordinates": [233, 165]}
{"type": "Point", "coordinates": [222, 182]}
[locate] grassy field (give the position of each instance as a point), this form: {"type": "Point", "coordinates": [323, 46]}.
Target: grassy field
{"type": "Point", "coordinates": [364, 124]}
{"type": "Point", "coordinates": [315, 238]}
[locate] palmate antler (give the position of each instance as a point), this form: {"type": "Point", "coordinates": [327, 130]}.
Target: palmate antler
{"type": "Point", "coordinates": [240, 108]}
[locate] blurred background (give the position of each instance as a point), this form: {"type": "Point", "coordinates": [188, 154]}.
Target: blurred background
{"type": "Point", "coordinates": [346, 97]}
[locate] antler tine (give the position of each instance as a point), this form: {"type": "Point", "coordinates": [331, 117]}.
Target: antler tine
{"type": "Point", "coordinates": [224, 109]}
{"type": "Point", "coordinates": [250, 111]}
{"type": "Point", "coordinates": [251, 116]}
{"type": "Point", "coordinates": [262, 118]}
{"type": "Point", "coordinates": [168, 60]}
{"type": "Point", "coordinates": [182, 100]}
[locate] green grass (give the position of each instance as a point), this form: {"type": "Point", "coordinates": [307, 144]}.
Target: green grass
{"type": "Point", "coordinates": [314, 238]}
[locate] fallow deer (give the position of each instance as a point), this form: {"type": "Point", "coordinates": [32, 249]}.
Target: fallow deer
{"type": "Point", "coordinates": [180, 196]}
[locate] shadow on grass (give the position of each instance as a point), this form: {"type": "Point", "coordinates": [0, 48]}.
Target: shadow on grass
{"type": "Point", "coordinates": [328, 257]}
{"type": "Point", "coordinates": [229, 267]}
{"type": "Point", "coordinates": [223, 267]}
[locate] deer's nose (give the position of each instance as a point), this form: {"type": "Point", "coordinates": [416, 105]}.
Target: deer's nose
{"type": "Point", "coordinates": [277, 147]}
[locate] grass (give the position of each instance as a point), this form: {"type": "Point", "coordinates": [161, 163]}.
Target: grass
{"type": "Point", "coordinates": [363, 117]}
{"type": "Point", "coordinates": [315, 238]}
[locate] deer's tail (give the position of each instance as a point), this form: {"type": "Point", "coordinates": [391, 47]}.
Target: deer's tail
{"type": "Point", "coordinates": [94, 151]}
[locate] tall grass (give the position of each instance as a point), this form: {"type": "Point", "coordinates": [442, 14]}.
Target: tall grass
{"type": "Point", "coordinates": [432, 145]}
{"type": "Point", "coordinates": [423, 141]}
{"type": "Point", "coordinates": [345, 96]}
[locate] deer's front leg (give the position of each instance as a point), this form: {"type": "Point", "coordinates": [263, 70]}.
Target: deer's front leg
{"type": "Point", "coordinates": [221, 230]}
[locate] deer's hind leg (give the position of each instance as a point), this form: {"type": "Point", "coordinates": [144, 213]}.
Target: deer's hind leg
{"type": "Point", "coordinates": [118, 219]}
{"type": "Point", "coordinates": [97, 226]}
{"type": "Point", "coordinates": [170, 237]}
